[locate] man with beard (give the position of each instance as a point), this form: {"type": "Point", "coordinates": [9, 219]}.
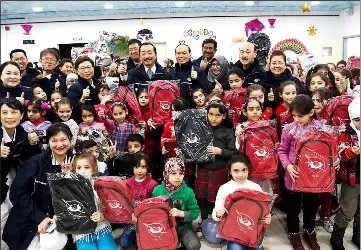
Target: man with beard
{"type": "Point", "coordinates": [189, 76]}
{"type": "Point", "coordinates": [209, 48]}
{"type": "Point", "coordinates": [249, 65]}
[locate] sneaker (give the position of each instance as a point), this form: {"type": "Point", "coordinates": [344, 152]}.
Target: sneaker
{"type": "Point", "coordinates": [295, 240]}
{"type": "Point", "coordinates": [327, 224]}
{"type": "Point", "coordinates": [311, 240]}
{"type": "Point", "coordinates": [199, 231]}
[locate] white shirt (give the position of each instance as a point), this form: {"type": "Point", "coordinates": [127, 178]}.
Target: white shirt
{"type": "Point", "coordinates": [229, 188]}
{"type": "Point", "coordinates": [152, 68]}
{"type": "Point", "coordinates": [6, 136]}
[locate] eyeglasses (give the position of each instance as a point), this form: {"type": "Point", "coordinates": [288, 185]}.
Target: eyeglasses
{"type": "Point", "coordinates": [48, 60]}
{"type": "Point", "coordinates": [208, 48]}
{"type": "Point", "coordinates": [278, 63]}
{"type": "Point", "coordinates": [215, 65]}
{"type": "Point", "coordinates": [85, 68]}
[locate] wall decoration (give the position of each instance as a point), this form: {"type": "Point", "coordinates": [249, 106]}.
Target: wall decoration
{"type": "Point", "coordinates": [263, 44]}
{"type": "Point", "coordinates": [238, 40]}
{"type": "Point", "coordinates": [306, 8]}
{"type": "Point", "coordinates": [196, 34]}
{"type": "Point", "coordinates": [290, 44]}
{"type": "Point", "coordinates": [271, 22]}
{"type": "Point", "coordinates": [26, 28]}
{"type": "Point", "coordinates": [307, 61]}
{"type": "Point", "coordinates": [145, 35]}
{"type": "Point", "coordinates": [7, 28]}
{"type": "Point", "coordinates": [312, 30]}
{"type": "Point", "coordinates": [254, 26]}
{"type": "Point", "coordinates": [353, 62]}
{"type": "Point", "coordinates": [141, 21]}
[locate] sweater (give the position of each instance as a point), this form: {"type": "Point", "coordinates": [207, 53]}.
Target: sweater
{"type": "Point", "coordinates": [74, 128]}
{"type": "Point", "coordinates": [227, 189]}
{"type": "Point", "coordinates": [287, 148]}
{"type": "Point", "coordinates": [183, 199]}
{"type": "Point", "coordinates": [142, 189]}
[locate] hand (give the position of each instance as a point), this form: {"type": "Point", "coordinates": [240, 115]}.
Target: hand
{"type": "Point", "coordinates": [143, 124]}
{"type": "Point", "coordinates": [134, 219]}
{"type": "Point", "coordinates": [174, 212]}
{"type": "Point", "coordinates": [112, 150]}
{"type": "Point", "coordinates": [105, 133]}
{"type": "Point", "coordinates": [164, 151]}
{"type": "Point", "coordinates": [150, 124]}
{"type": "Point", "coordinates": [194, 74]}
{"type": "Point", "coordinates": [355, 150]}
{"type": "Point", "coordinates": [271, 96]}
{"type": "Point", "coordinates": [21, 99]}
{"type": "Point", "coordinates": [218, 88]}
{"type": "Point", "coordinates": [84, 131]}
{"type": "Point", "coordinates": [214, 150]}
{"type": "Point", "coordinates": [231, 113]}
{"type": "Point", "coordinates": [101, 114]}
{"type": "Point", "coordinates": [204, 64]}
{"type": "Point", "coordinates": [106, 99]}
{"type": "Point", "coordinates": [239, 131]}
{"type": "Point", "coordinates": [178, 152]}
{"type": "Point", "coordinates": [4, 149]}
{"type": "Point", "coordinates": [267, 219]}
{"type": "Point", "coordinates": [86, 94]}
{"type": "Point", "coordinates": [97, 217]}
{"type": "Point", "coordinates": [336, 164]}
{"type": "Point", "coordinates": [113, 67]}
{"type": "Point", "coordinates": [122, 69]}
{"type": "Point", "coordinates": [57, 85]}
{"type": "Point", "coordinates": [221, 212]}
{"type": "Point", "coordinates": [292, 171]}
{"type": "Point", "coordinates": [33, 138]}
{"type": "Point", "coordinates": [44, 224]}
{"type": "Point", "coordinates": [67, 165]}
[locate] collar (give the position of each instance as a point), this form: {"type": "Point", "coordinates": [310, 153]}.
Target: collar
{"type": "Point", "coordinates": [54, 162]}
{"type": "Point", "coordinates": [187, 65]}
{"type": "Point", "coordinates": [6, 136]}
{"type": "Point", "coordinates": [154, 68]}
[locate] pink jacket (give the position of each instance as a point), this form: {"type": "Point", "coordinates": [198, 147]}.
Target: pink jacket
{"type": "Point", "coordinates": [287, 148]}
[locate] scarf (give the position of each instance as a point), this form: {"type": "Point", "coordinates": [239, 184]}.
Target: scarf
{"type": "Point", "coordinates": [354, 112]}
{"type": "Point", "coordinates": [224, 68]}
{"type": "Point", "coordinates": [36, 123]}
{"type": "Point", "coordinates": [172, 164]}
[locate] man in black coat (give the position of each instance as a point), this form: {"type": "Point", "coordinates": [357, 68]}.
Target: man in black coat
{"type": "Point", "coordinates": [209, 49]}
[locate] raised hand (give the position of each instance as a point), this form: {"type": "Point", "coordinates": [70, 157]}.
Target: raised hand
{"type": "Point", "coordinates": [67, 165]}
{"type": "Point", "coordinates": [194, 74]}
{"type": "Point", "coordinates": [271, 96]}
{"type": "Point", "coordinates": [204, 64]}
{"type": "Point", "coordinates": [21, 98]}
{"type": "Point", "coordinates": [5, 150]}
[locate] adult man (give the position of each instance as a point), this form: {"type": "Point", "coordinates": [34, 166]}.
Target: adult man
{"type": "Point", "coordinates": [149, 70]}
{"type": "Point", "coordinates": [249, 64]}
{"type": "Point", "coordinates": [209, 48]}
{"type": "Point", "coordinates": [190, 76]}
{"type": "Point", "coordinates": [134, 57]}
{"type": "Point", "coordinates": [341, 65]}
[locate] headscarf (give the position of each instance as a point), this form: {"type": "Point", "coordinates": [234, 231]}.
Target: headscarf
{"type": "Point", "coordinates": [224, 68]}
{"type": "Point", "coordinates": [354, 112]}
{"type": "Point", "coordinates": [172, 164]}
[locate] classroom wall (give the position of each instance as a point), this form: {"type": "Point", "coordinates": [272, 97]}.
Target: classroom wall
{"type": "Point", "coordinates": [170, 31]}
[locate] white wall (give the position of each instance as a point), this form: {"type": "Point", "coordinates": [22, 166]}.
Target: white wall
{"type": "Point", "coordinates": [350, 23]}
{"type": "Point", "coordinates": [170, 31]}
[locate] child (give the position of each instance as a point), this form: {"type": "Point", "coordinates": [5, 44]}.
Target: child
{"type": "Point", "coordinates": [36, 110]}
{"type": "Point", "coordinates": [212, 175]}
{"type": "Point", "coordinates": [257, 91]}
{"type": "Point", "coordinates": [349, 151]}
{"type": "Point", "coordinates": [54, 97]}
{"type": "Point", "coordinates": [91, 147]}
{"type": "Point", "coordinates": [142, 186]}
{"type": "Point", "coordinates": [239, 168]}
{"type": "Point", "coordinates": [317, 80]}
{"type": "Point", "coordinates": [85, 164]}
{"type": "Point", "coordinates": [119, 128]}
{"type": "Point", "coordinates": [38, 92]}
{"type": "Point", "coordinates": [287, 92]}
{"type": "Point", "coordinates": [64, 111]}
{"type": "Point", "coordinates": [102, 109]}
{"type": "Point", "coordinates": [323, 69]}
{"type": "Point", "coordinates": [214, 97]}
{"type": "Point", "coordinates": [319, 97]}
{"type": "Point", "coordinates": [185, 209]}
{"type": "Point", "coordinates": [88, 115]}
{"type": "Point", "coordinates": [235, 78]}
{"type": "Point", "coordinates": [198, 97]}
{"type": "Point", "coordinates": [302, 111]}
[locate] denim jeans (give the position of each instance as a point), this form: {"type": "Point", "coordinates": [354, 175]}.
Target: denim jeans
{"type": "Point", "coordinates": [128, 236]}
{"type": "Point", "coordinates": [236, 246]}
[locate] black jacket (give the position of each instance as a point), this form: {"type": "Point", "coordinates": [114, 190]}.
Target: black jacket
{"type": "Point", "coordinates": [197, 62]}
{"type": "Point", "coordinates": [10, 92]}
{"type": "Point", "coordinates": [223, 81]}
{"type": "Point", "coordinates": [224, 139]}
{"type": "Point", "coordinates": [130, 64]}
{"type": "Point", "coordinates": [183, 74]}
{"type": "Point", "coordinates": [48, 85]}
{"type": "Point", "coordinates": [31, 199]}
{"type": "Point", "coordinates": [253, 74]}
{"type": "Point", "coordinates": [20, 151]}
{"type": "Point", "coordinates": [28, 80]}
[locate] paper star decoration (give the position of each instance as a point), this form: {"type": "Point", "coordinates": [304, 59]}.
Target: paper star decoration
{"type": "Point", "coordinates": [141, 21]}
{"type": "Point", "coordinates": [306, 8]}
{"type": "Point", "coordinates": [312, 30]}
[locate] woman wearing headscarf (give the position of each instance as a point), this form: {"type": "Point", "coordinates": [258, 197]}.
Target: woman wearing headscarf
{"type": "Point", "coordinates": [218, 73]}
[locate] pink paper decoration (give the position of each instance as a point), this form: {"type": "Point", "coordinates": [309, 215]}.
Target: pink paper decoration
{"type": "Point", "coordinates": [271, 22]}
{"type": "Point", "coordinates": [253, 26]}
{"type": "Point", "coordinates": [26, 28]}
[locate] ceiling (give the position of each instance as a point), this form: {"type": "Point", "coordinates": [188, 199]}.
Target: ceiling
{"type": "Point", "coordinates": [11, 10]}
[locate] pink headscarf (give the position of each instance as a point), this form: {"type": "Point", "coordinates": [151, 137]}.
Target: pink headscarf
{"type": "Point", "coordinates": [172, 164]}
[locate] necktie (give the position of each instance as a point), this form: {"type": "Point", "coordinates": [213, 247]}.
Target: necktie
{"type": "Point", "coordinates": [150, 73]}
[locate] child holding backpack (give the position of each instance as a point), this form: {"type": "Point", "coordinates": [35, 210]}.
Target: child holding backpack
{"type": "Point", "coordinates": [302, 111]}
{"type": "Point", "coordinates": [349, 151]}
{"type": "Point", "coordinates": [239, 167]}
{"type": "Point", "coordinates": [257, 91]}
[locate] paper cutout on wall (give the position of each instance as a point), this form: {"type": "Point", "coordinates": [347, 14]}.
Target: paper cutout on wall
{"type": "Point", "coordinates": [307, 61]}
{"type": "Point", "coordinates": [196, 34]}
{"type": "Point", "coordinates": [306, 8]}
{"type": "Point", "coordinates": [26, 28]}
{"type": "Point", "coordinates": [271, 22]}
{"type": "Point", "coordinates": [312, 30]}
{"type": "Point", "coordinates": [290, 44]}
{"type": "Point", "coordinates": [254, 26]}
{"type": "Point", "coordinates": [141, 21]}
{"type": "Point", "coordinates": [238, 40]}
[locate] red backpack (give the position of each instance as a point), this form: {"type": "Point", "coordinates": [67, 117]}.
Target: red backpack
{"type": "Point", "coordinates": [161, 94]}
{"type": "Point", "coordinates": [316, 152]}
{"type": "Point", "coordinates": [244, 222]}
{"type": "Point", "coordinates": [155, 229]}
{"type": "Point", "coordinates": [259, 142]}
{"type": "Point", "coordinates": [235, 99]}
{"type": "Point", "coordinates": [117, 199]}
{"type": "Point", "coordinates": [335, 111]}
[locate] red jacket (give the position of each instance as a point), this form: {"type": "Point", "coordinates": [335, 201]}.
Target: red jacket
{"type": "Point", "coordinates": [350, 163]}
{"type": "Point", "coordinates": [280, 109]}
{"type": "Point", "coordinates": [168, 137]}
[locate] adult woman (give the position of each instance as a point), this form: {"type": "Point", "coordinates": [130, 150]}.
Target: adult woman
{"type": "Point", "coordinates": [83, 91]}
{"type": "Point", "coordinates": [30, 195]}
{"type": "Point", "coordinates": [10, 81]}
{"type": "Point", "coordinates": [218, 72]}
{"type": "Point", "coordinates": [277, 74]}
{"type": "Point", "coordinates": [16, 146]}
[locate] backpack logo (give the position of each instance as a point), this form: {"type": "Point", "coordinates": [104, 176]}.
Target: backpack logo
{"type": "Point", "coordinates": [155, 229]}
{"type": "Point", "coordinates": [75, 208]}
{"type": "Point", "coordinates": [244, 221]}
{"type": "Point", "coordinates": [261, 153]}
{"type": "Point", "coordinates": [164, 106]}
{"type": "Point", "coordinates": [316, 165]}
{"type": "Point", "coordinates": [192, 139]}
{"type": "Point", "coordinates": [114, 204]}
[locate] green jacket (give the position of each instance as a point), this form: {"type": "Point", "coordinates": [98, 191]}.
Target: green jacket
{"type": "Point", "coordinates": [184, 200]}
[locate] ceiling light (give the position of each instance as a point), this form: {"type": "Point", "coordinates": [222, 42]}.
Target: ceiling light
{"type": "Point", "coordinates": [37, 9]}
{"type": "Point", "coordinates": [315, 3]}
{"type": "Point", "coordinates": [180, 4]}
{"type": "Point", "coordinates": [249, 2]}
{"type": "Point", "coordinates": [108, 6]}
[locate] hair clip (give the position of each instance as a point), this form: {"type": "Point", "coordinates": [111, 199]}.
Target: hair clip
{"type": "Point", "coordinates": [249, 99]}
{"type": "Point", "coordinates": [57, 100]}
{"type": "Point", "coordinates": [26, 103]}
{"type": "Point", "coordinates": [119, 103]}
{"type": "Point", "coordinates": [216, 102]}
{"type": "Point", "coordinates": [45, 106]}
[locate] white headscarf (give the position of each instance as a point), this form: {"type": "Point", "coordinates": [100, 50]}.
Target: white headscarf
{"type": "Point", "coordinates": [354, 112]}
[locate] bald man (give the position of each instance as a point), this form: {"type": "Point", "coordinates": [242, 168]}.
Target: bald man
{"type": "Point", "coordinates": [249, 65]}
